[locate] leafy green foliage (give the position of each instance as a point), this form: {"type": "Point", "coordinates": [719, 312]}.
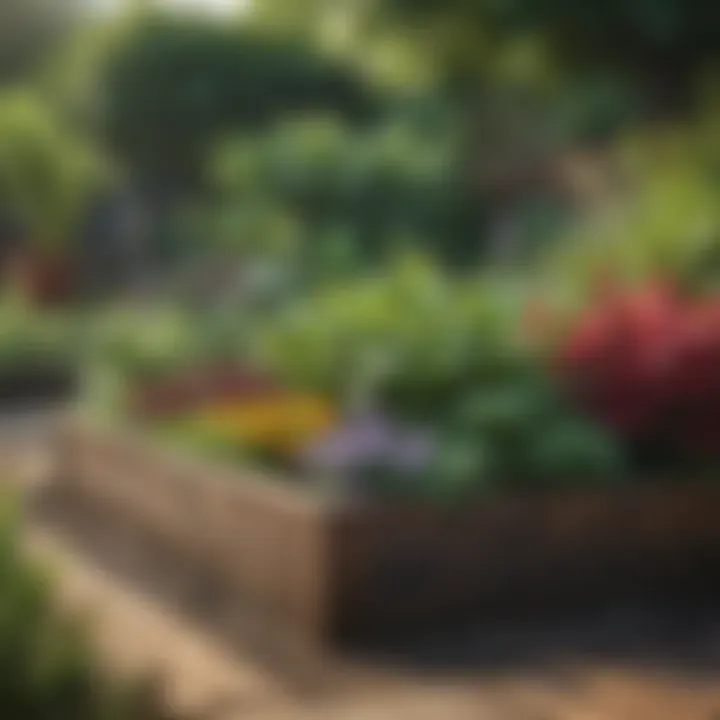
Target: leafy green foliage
{"type": "Point", "coordinates": [664, 222]}
{"type": "Point", "coordinates": [522, 432]}
{"type": "Point", "coordinates": [47, 175]}
{"type": "Point", "coordinates": [47, 667]}
{"type": "Point", "coordinates": [142, 342]}
{"type": "Point", "coordinates": [346, 196]}
{"type": "Point", "coordinates": [667, 39]}
{"type": "Point", "coordinates": [31, 339]}
{"type": "Point", "coordinates": [657, 45]}
{"type": "Point", "coordinates": [124, 347]}
{"type": "Point", "coordinates": [447, 355]}
{"type": "Point", "coordinates": [172, 85]}
{"type": "Point", "coordinates": [411, 337]}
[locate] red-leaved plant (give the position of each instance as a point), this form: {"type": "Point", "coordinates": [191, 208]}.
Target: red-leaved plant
{"type": "Point", "coordinates": [646, 363]}
{"type": "Point", "coordinates": [186, 391]}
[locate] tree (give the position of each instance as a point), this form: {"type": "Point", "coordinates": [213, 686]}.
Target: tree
{"type": "Point", "coordinates": [173, 85]}
{"type": "Point", "coordinates": [657, 43]}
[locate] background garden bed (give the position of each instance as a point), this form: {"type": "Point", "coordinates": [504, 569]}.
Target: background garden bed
{"type": "Point", "coordinates": [309, 568]}
{"type": "Point", "coordinates": [33, 385]}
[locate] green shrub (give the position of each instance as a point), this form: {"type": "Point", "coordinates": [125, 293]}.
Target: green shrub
{"type": "Point", "coordinates": [125, 345]}
{"type": "Point", "coordinates": [141, 341]}
{"type": "Point", "coordinates": [522, 432]}
{"type": "Point", "coordinates": [662, 44]}
{"type": "Point", "coordinates": [171, 85]}
{"type": "Point", "coordinates": [409, 336]}
{"type": "Point", "coordinates": [344, 196]}
{"type": "Point", "coordinates": [47, 175]}
{"type": "Point", "coordinates": [31, 339]}
{"type": "Point", "coordinates": [664, 223]}
{"type": "Point", "coordinates": [47, 667]}
{"type": "Point", "coordinates": [449, 355]}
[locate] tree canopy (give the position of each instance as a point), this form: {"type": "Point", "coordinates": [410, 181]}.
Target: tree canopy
{"type": "Point", "coordinates": [173, 85]}
{"type": "Point", "coordinates": [654, 43]}
{"type": "Point", "coordinates": [670, 39]}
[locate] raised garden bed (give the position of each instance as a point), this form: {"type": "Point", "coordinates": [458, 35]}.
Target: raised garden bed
{"type": "Point", "coordinates": [325, 570]}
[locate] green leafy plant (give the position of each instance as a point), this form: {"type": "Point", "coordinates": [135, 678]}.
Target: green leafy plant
{"type": "Point", "coordinates": [663, 222]}
{"type": "Point", "coordinates": [47, 666]}
{"type": "Point", "coordinates": [342, 195]}
{"type": "Point", "coordinates": [450, 356]}
{"type": "Point", "coordinates": [141, 342]}
{"type": "Point", "coordinates": [47, 175]}
{"type": "Point", "coordinates": [412, 338]}
{"type": "Point", "coordinates": [523, 433]}
{"type": "Point", "coordinates": [172, 85]}
{"type": "Point", "coordinates": [31, 339]}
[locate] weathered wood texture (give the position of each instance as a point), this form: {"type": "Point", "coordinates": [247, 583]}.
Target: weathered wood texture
{"type": "Point", "coordinates": [323, 571]}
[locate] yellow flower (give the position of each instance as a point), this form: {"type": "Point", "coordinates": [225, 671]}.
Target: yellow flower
{"type": "Point", "coordinates": [283, 423]}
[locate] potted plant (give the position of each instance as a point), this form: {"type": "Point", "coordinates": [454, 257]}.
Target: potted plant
{"type": "Point", "coordinates": [46, 178]}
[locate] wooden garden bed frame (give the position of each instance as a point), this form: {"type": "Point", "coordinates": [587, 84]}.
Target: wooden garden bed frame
{"type": "Point", "coordinates": [323, 570]}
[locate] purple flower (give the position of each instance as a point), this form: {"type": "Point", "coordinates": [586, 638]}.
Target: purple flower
{"type": "Point", "coordinates": [371, 442]}
{"type": "Point", "coordinates": [414, 452]}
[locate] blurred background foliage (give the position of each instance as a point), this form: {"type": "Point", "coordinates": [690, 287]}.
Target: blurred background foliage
{"type": "Point", "coordinates": [661, 219]}
{"type": "Point", "coordinates": [31, 31]}
{"type": "Point", "coordinates": [415, 346]}
{"type": "Point", "coordinates": [660, 45]}
{"type": "Point", "coordinates": [455, 125]}
{"type": "Point", "coordinates": [174, 85]}
{"type": "Point", "coordinates": [361, 192]}
{"type": "Point", "coordinates": [365, 196]}
{"type": "Point", "coordinates": [376, 334]}
{"type": "Point", "coordinates": [258, 159]}
{"type": "Point", "coordinates": [317, 138]}
{"type": "Point", "coordinates": [48, 173]}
